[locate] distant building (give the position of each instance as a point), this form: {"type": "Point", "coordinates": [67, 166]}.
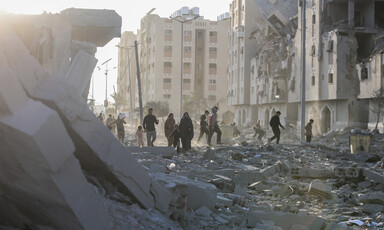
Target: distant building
{"type": "Point", "coordinates": [127, 74]}
{"type": "Point", "coordinates": [205, 55]}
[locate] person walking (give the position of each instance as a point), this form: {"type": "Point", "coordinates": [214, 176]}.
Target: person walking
{"type": "Point", "coordinates": [175, 136]}
{"type": "Point", "coordinates": [109, 121]}
{"type": "Point", "coordinates": [169, 126]}
{"type": "Point", "coordinates": [308, 131]}
{"type": "Point", "coordinates": [214, 126]}
{"type": "Point", "coordinates": [275, 123]}
{"type": "Point", "coordinates": [139, 136]}
{"type": "Point", "coordinates": [186, 131]}
{"type": "Point", "coordinates": [203, 125]}
{"type": "Point", "coordinates": [100, 117]}
{"type": "Point", "coordinates": [149, 127]}
{"type": "Point", "coordinates": [258, 130]}
{"type": "Point", "coordinates": [120, 128]}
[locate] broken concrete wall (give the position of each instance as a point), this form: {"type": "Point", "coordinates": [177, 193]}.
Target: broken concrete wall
{"type": "Point", "coordinates": [40, 177]}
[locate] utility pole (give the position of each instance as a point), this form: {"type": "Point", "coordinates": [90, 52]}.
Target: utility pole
{"type": "Point", "coordinates": [303, 31]}
{"type": "Point", "coordinates": [139, 83]}
{"type": "Point", "coordinates": [106, 85]}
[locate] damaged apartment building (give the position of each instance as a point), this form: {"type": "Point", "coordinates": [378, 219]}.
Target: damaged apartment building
{"type": "Point", "coordinates": [271, 66]}
{"type": "Point", "coordinates": [344, 62]}
{"type": "Point", "coordinates": [340, 34]}
{"type": "Point", "coordinates": [259, 63]}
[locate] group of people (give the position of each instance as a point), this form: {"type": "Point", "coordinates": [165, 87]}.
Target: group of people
{"type": "Point", "coordinates": [275, 125]}
{"type": "Point", "coordinates": [182, 132]}
{"type": "Point", "coordinates": [111, 123]}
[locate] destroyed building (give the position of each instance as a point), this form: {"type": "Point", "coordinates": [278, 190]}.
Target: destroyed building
{"type": "Point", "coordinates": [272, 64]}
{"type": "Point", "coordinates": [339, 34]}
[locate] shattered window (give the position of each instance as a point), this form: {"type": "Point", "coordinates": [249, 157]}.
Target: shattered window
{"type": "Point", "coordinates": [330, 78]}
{"type": "Point", "coordinates": [364, 73]}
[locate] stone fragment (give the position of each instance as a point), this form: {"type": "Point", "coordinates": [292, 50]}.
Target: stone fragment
{"type": "Point", "coordinates": [203, 211]}
{"type": "Point", "coordinates": [258, 186]}
{"type": "Point", "coordinates": [317, 187]}
{"type": "Point", "coordinates": [237, 156]}
{"type": "Point", "coordinates": [222, 201]}
{"type": "Point", "coordinates": [372, 198]}
{"type": "Point", "coordinates": [285, 220]}
{"type": "Point", "coordinates": [197, 193]}
{"type": "Point", "coordinates": [371, 175]}
{"type": "Point", "coordinates": [164, 150]}
{"type": "Point", "coordinates": [209, 155]}
{"type": "Point", "coordinates": [224, 184]}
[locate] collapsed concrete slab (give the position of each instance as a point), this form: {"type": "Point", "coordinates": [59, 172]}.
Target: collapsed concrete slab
{"type": "Point", "coordinates": [39, 174]}
{"type": "Point", "coordinates": [286, 220]}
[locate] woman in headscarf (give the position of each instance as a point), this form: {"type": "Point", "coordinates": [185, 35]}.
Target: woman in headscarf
{"type": "Point", "coordinates": [186, 131]}
{"type": "Point", "coordinates": [168, 128]}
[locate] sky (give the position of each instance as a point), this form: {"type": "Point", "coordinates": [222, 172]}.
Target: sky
{"type": "Point", "coordinates": [131, 12]}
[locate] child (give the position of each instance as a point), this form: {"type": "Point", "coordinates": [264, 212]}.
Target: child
{"type": "Point", "coordinates": [139, 136]}
{"type": "Point", "coordinates": [176, 137]}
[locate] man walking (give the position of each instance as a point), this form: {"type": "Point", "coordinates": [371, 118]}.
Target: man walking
{"type": "Point", "coordinates": [120, 127]}
{"type": "Point", "coordinates": [149, 127]}
{"type": "Point", "coordinates": [308, 131]}
{"type": "Point", "coordinates": [275, 123]}
{"type": "Point", "coordinates": [203, 125]}
{"type": "Point", "coordinates": [213, 126]}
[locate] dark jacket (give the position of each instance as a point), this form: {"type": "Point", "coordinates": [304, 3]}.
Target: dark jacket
{"type": "Point", "coordinates": [149, 122]}
{"type": "Point", "coordinates": [275, 122]}
{"type": "Point", "coordinates": [186, 128]}
{"type": "Point", "coordinates": [175, 134]}
{"type": "Point", "coordinates": [203, 122]}
{"type": "Point", "coordinates": [308, 129]}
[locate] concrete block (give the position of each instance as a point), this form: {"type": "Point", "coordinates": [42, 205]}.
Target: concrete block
{"type": "Point", "coordinates": [80, 71]}
{"type": "Point", "coordinates": [348, 172]}
{"type": "Point", "coordinates": [203, 211]}
{"type": "Point", "coordinates": [258, 186]}
{"type": "Point", "coordinates": [372, 198]}
{"type": "Point", "coordinates": [12, 95]}
{"type": "Point", "coordinates": [244, 178]}
{"type": "Point", "coordinates": [371, 175]}
{"type": "Point", "coordinates": [285, 220]}
{"type": "Point", "coordinates": [317, 187]}
{"type": "Point", "coordinates": [198, 193]}
{"type": "Point", "coordinates": [224, 184]}
{"type": "Point", "coordinates": [42, 174]}
{"type": "Point", "coordinates": [162, 196]}
{"type": "Point", "coordinates": [225, 202]}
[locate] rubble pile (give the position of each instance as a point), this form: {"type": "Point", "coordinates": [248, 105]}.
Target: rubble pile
{"type": "Point", "coordinates": [318, 185]}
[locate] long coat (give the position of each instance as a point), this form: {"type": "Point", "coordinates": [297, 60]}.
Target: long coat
{"type": "Point", "coordinates": [186, 128]}
{"type": "Point", "coordinates": [169, 126]}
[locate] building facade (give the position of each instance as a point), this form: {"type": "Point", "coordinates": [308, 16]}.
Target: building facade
{"type": "Point", "coordinates": [242, 49]}
{"type": "Point", "coordinates": [205, 55]}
